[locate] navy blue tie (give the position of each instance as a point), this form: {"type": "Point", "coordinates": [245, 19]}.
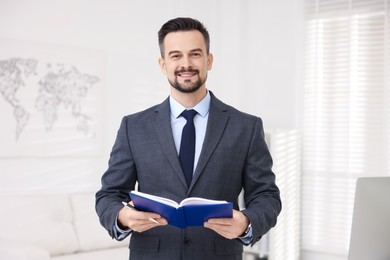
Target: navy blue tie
{"type": "Point", "coordinates": [187, 145]}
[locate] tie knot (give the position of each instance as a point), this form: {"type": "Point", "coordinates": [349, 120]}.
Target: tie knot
{"type": "Point", "coordinates": [189, 114]}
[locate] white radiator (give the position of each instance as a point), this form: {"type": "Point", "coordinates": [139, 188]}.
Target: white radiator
{"type": "Point", "coordinates": [283, 241]}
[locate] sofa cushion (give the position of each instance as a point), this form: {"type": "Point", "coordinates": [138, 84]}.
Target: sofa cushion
{"type": "Point", "coordinates": [120, 253]}
{"type": "Point", "coordinates": [15, 250]}
{"type": "Point", "coordinates": [43, 220]}
{"type": "Point", "coordinates": [90, 233]}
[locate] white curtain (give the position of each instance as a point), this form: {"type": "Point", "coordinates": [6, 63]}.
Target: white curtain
{"type": "Point", "coordinates": [346, 115]}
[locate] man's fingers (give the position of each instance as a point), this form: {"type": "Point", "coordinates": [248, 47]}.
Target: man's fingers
{"type": "Point", "coordinates": [220, 221]}
{"type": "Point", "coordinates": [223, 230]}
{"type": "Point", "coordinates": [138, 220]}
{"type": "Point", "coordinates": [136, 214]}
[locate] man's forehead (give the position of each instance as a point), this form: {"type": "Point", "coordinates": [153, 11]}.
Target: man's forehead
{"type": "Point", "coordinates": [184, 41]}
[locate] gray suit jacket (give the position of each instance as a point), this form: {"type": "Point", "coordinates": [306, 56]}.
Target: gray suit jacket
{"type": "Point", "coordinates": [234, 157]}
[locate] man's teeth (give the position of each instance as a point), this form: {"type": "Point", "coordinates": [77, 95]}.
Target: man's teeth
{"type": "Point", "coordinates": [186, 74]}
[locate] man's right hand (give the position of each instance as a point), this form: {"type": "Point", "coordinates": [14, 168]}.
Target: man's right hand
{"type": "Point", "coordinates": [139, 221]}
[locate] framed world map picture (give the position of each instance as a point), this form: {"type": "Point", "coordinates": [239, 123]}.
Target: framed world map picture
{"type": "Point", "coordinates": [51, 101]}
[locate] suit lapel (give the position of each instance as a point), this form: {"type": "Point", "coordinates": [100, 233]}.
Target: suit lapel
{"type": "Point", "coordinates": [218, 118]}
{"type": "Point", "coordinates": [163, 130]}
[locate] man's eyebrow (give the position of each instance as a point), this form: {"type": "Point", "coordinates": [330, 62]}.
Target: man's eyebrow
{"type": "Point", "coordinates": [196, 50]}
{"type": "Point", "coordinates": [173, 52]}
{"type": "Point", "coordinates": [178, 52]}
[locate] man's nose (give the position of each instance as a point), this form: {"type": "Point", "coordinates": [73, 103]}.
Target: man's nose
{"type": "Point", "coordinates": [186, 62]}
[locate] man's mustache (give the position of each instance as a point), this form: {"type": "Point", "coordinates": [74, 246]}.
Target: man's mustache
{"type": "Point", "coordinates": [186, 71]}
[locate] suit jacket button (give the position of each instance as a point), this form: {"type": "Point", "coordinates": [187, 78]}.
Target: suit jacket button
{"type": "Point", "coordinates": [187, 241]}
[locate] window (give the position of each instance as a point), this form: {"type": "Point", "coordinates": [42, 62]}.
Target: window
{"type": "Point", "coordinates": [346, 114]}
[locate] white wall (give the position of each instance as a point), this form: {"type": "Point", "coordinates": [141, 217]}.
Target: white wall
{"type": "Point", "coordinates": [256, 47]}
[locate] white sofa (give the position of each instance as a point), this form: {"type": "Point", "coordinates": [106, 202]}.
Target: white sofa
{"type": "Point", "coordinates": [54, 226]}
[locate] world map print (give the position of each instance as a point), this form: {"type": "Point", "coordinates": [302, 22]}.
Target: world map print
{"type": "Point", "coordinates": [12, 75]}
{"type": "Point", "coordinates": [59, 86]}
{"type": "Point", "coordinates": [51, 99]}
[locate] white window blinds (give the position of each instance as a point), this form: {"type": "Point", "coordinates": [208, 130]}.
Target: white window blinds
{"type": "Point", "coordinates": [346, 114]}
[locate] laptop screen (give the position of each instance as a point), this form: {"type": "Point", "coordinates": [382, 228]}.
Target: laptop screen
{"type": "Point", "coordinates": [370, 234]}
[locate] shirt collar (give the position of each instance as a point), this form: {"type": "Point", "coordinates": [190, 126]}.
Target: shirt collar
{"type": "Point", "coordinates": [202, 107]}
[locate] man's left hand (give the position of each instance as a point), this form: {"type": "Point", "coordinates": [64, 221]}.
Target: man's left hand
{"type": "Point", "coordinates": [230, 228]}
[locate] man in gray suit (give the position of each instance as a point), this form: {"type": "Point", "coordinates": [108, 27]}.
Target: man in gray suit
{"type": "Point", "coordinates": [230, 154]}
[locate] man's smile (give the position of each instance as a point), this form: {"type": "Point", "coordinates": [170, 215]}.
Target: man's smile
{"type": "Point", "coordinates": [186, 74]}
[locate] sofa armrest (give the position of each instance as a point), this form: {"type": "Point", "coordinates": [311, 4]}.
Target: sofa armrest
{"type": "Point", "coordinates": [13, 250]}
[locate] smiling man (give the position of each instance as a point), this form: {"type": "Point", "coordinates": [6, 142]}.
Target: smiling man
{"type": "Point", "coordinates": [184, 63]}
{"type": "Point", "coordinates": [190, 145]}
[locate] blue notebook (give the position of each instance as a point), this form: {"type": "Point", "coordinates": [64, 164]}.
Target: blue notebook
{"type": "Point", "coordinates": [190, 212]}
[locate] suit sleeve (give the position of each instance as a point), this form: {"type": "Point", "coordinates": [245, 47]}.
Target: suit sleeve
{"type": "Point", "coordinates": [117, 181]}
{"type": "Point", "coordinates": [261, 195]}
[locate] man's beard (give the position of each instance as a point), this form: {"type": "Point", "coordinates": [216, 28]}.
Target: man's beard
{"type": "Point", "coordinates": [193, 87]}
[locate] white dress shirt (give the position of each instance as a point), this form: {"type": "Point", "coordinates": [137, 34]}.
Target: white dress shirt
{"type": "Point", "coordinates": [200, 122]}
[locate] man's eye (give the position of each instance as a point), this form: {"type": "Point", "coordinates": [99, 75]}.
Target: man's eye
{"type": "Point", "coordinates": [175, 57]}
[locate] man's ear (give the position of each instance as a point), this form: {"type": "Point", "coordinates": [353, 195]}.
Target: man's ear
{"type": "Point", "coordinates": [210, 59]}
{"type": "Point", "coordinates": [163, 68]}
